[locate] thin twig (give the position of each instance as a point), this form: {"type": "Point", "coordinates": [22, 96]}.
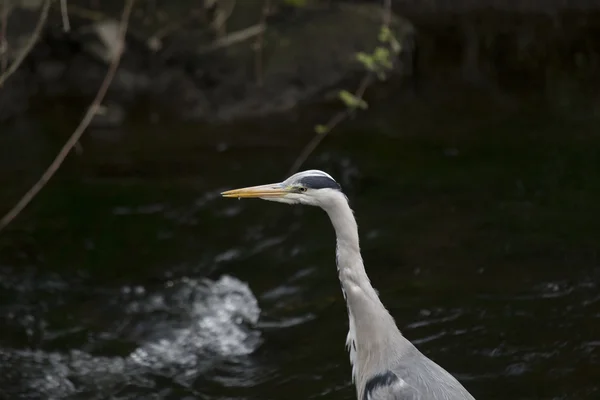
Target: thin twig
{"type": "Point", "coordinates": [99, 16]}
{"type": "Point", "coordinates": [232, 38]}
{"type": "Point", "coordinates": [332, 123]}
{"type": "Point", "coordinates": [3, 39]}
{"type": "Point", "coordinates": [65, 16]}
{"type": "Point", "coordinates": [387, 12]}
{"type": "Point", "coordinates": [32, 40]}
{"type": "Point", "coordinates": [342, 115]}
{"type": "Point", "coordinates": [89, 115]}
{"type": "Point", "coordinates": [218, 25]}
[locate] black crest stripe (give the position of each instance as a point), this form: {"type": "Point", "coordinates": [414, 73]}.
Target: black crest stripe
{"type": "Point", "coordinates": [319, 182]}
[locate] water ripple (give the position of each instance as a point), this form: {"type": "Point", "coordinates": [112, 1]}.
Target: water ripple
{"type": "Point", "coordinates": [181, 329]}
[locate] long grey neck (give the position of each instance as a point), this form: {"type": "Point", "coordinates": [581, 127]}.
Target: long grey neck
{"type": "Point", "coordinates": [373, 323]}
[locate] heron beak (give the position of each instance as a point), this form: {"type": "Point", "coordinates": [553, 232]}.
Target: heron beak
{"type": "Point", "coordinates": [261, 192]}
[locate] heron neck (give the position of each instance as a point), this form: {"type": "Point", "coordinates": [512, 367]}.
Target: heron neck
{"type": "Point", "coordinates": [373, 322]}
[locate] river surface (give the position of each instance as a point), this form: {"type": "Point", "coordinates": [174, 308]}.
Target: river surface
{"type": "Point", "coordinates": [130, 278]}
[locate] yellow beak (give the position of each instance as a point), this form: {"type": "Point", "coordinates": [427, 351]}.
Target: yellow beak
{"type": "Point", "coordinates": [262, 191]}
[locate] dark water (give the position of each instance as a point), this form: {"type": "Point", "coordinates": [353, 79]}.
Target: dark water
{"type": "Point", "coordinates": [130, 278]}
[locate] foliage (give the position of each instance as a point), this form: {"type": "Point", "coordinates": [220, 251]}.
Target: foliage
{"type": "Point", "coordinates": [378, 62]}
{"type": "Point", "coordinates": [213, 13]}
{"type": "Point", "coordinates": [351, 100]}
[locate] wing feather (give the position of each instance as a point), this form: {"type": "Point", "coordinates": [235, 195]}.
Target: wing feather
{"type": "Point", "coordinates": [389, 386]}
{"type": "Point", "coordinates": [417, 378]}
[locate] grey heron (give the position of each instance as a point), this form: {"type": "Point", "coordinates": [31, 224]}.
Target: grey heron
{"type": "Point", "coordinates": [385, 365]}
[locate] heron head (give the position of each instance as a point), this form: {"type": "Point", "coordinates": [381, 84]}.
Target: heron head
{"type": "Point", "coordinates": [313, 188]}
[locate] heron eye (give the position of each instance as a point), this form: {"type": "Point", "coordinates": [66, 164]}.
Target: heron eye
{"type": "Point", "coordinates": [302, 189]}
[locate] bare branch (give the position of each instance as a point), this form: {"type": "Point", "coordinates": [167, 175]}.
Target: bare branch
{"type": "Point", "coordinates": [74, 138]}
{"type": "Point", "coordinates": [32, 40]}
{"type": "Point", "coordinates": [342, 115]}
{"type": "Point", "coordinates": [387, 12]}
{"type": "Point", "coordinates": [221, 17]}
{"type": "Point", "coordinates": [65, 16]}
{"type": "Point", "coordinates": [233, 38]}
{"type": "Point", "coordinates": [332, 123]}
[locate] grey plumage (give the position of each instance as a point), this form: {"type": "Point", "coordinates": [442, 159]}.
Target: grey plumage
{"type": "Point", "coordinates": [414, 377]}
{"type": "Point", "coordinates": [385, 365]}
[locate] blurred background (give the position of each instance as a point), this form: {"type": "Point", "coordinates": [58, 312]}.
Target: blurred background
{"type": "Point", "coordinates": [464, 132]}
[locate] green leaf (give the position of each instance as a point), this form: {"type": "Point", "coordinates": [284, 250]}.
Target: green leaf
{"type": "Point", "coordinates": [385, 34]}
{"type": "Point", "coordinates": [396, 46]}
{"type": "Point", "coordinates": [321, 129]}
{"type": "Point", "coordinates": [367, 60]}
{"type": "Point", "coordinates": [352, 101]}
{"type": "Point", "coordinates": [382, 56]}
